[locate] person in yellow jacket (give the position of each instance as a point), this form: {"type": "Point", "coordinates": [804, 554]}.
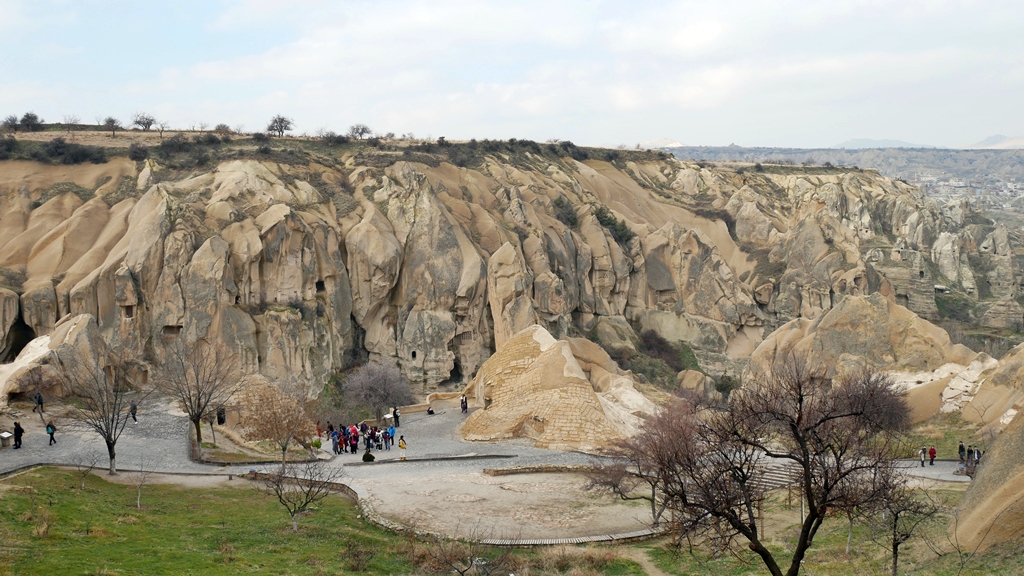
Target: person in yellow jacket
{"type": "Point", "coordinates": [401, 447]}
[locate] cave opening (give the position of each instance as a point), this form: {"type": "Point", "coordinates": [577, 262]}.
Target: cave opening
{"type": "Point", "coordinates": [454, 377]}
{"type": "Point", "coordinates": [18, 337]}
{"type": "Point", "coordinates": [320, 286]}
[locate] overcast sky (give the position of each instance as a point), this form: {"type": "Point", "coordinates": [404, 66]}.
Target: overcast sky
{"type": "Point", "coordinates": [766, 73]}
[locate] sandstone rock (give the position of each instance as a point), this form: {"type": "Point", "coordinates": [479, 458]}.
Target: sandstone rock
{"type": "Point", "coordinates": [533, 387]}
{"type": "Point", "coordinates": [992, 509]}
{"type": "Point", "coordinates": [509, 285]}
{"type": "Point", "coordinates": [860, 332]}
{"type": "Point", "coordinates": [1006, 313]}
{"type": "Point", "coordinates": [698, 382]}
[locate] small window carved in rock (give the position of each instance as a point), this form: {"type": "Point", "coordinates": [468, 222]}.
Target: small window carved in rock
{"type": "Point", "coordinates": [129, 311]}
{"type": "Point", "coordinates": [320, 286]}
{"type": "Point", "coordinates": [413, 354]}
{"type": "Point", "coordinates": [171, 331]}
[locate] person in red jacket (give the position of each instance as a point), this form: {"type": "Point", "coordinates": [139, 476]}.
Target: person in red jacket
{"type": "Point", "coordinates": [931, 456]}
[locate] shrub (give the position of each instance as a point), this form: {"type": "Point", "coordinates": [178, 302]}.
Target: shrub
{"type": "Point", "coordinates": [209, 139]}
{"type": "Point", "coordinates": [726, 384]}
{"type": "Point", "coordinates": [263, 149]}
{"type": "Point", "coordinates": [175, 144]}
{"type": "Point", "coordinates": [564, 211]}
{"type": "Point", "coordinates": [138, 152]}
{"type": "Point", "coordinates": [222, 128]}
{"type": "Point", "coordinates": [200, 158]}
{"type": "Point", "coordinates": [618, 228]}
{"type": "Point", "coordinates": [677, 356]}
{"type": "Point", "coordinates": [7, 146]}
{"type": "Point", "coordinates": [334, 139]}
{"type": "Point", "coordinates": [260, 137]}
{"type": "Point", "coordinates": [31, 123]}
{"type": "Point", "coordinates": [67, 153]}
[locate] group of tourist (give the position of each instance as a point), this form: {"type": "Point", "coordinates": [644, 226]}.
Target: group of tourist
{"type": "Point", "coordinates": [969, 454]}
{"type": "Point", "coordinates": [346, 439]}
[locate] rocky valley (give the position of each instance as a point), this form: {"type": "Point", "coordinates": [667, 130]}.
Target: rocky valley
{"type": "Point", "coordinates": [306, 257]}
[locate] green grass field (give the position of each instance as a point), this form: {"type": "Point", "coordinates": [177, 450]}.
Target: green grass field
{"type": "Point", "coordinates": [49, 526]}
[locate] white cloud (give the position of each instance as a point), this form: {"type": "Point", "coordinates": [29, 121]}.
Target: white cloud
{"type": "Point", "coordinates": [592, 71]}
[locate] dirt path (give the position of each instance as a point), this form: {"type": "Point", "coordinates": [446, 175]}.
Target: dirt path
{"type": "Point", "coordinates": [639, 555]}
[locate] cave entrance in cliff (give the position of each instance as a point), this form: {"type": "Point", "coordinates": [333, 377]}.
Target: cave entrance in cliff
{"type": "Point", "coordinates": [455, 376]}
{"type": "Point", "coordinates": [18, 337]}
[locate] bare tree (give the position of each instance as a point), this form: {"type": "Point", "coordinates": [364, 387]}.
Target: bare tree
{"type": "Point", "coordinates": [898, 514]}
{"type": "Point", "coordinates": [202, 377]}
{"type": "Point", "coordinates": [84, 463]}
{"type": "Point", "coordinates": [143, 120]}
{"type": "Point", "coordinates": [712, 463]}
{"type": "Point", "coordinates": [276, 414]}
{"type": "Point", "coordinates": [71, 122]}
{"type": "Point", "coordinates": [634, 475]}
{"type": "Point", "coordinates": [112, 124]}
{"type": "Point", "coordinates": [468, 556]}
{"type": "Point", "coordinates": [377, 386]}
{"type": "Point", "coordinates": [161, 126]}
{"type": "Point", "coordinates": [279, 125]}
{"type": "Point", "coordinates": [103, 394]}
{"type": "Point", "coordinates": [359, 131]}
{"type": "Point", "coordinates": [11, 123]}
{"type": "Point", "coordinates": [139, 479]}
{"type": "Point", "coordinates": [298, 487]}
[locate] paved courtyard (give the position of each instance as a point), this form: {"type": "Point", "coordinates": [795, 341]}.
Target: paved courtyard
{"type": "Point", "coordinates": [441, 488]}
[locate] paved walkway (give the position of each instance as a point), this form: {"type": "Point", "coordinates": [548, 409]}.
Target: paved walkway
{"type": "Point", "coordinates": [443, 477]}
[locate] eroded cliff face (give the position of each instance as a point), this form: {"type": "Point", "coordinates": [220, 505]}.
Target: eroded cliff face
{"type": "Point", "coordinates": [298, 266]}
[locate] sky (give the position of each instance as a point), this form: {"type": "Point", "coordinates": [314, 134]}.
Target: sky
{"type": "Point", "coordinates": [754, 73]}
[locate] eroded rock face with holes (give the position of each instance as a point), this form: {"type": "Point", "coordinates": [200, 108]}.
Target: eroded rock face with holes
{"type": "Point", "coordinates": [299, 267]}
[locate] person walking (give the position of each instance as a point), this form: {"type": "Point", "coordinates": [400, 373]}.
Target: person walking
{"type": "Point", "coordinates": [401, 447]}
{"type": "Point", "coordinates": [961, 451]}
{"type": "Point", "coordinates": [464, 404]}
{"type": "Point", "coordinates": [18, 433]}
{"type": "Point", "coordinates": [931, 456]}
{"type": "Point", "coordinates": [39, 402]}
{"type": "Point", "coordinates": [133, 410]}
{"type": "Point", "coordinates": [51, 429]}
{"type": "Point", "coordinates": [391, 434]}
{"type": "Point", "coordinates": [334, 441]}
{"type": "Point", "coordinates": [395, 413]}
{"type": "Point", "coordinates": [923, 453]}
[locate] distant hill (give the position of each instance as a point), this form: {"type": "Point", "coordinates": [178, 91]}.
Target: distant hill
{"type": "Point", "coordinates": [893, 162]}
{"type": "Point", "coordinates": [860, 143]}
{"type": "Point", "coordinates": [999, 142]}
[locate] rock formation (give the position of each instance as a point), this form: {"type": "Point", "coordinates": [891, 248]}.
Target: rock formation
{"type": "Point", "coordinates": [992, 510]}
{"type": "Point", "coordinates": [301, 261]}
{"type": "Point", "coordinates": [536, 387]}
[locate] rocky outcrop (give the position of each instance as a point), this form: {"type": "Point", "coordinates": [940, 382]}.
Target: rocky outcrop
{"type": "Point", "coordinates": [296, 266]}
{"type": "Point", "coordinates": [862, 332]}
{"type": "Point", "coordinates": [535, 387]}
{"type": "Point", "coordinates": [992, 509]}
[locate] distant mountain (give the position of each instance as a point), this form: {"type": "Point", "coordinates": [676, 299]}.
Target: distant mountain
{"type": "Point", "coordinates": [999, 142]}
{"type": "Point", "coordinates": [661, 143]}
{"type": "Point", "coordinates": [861, 143]}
